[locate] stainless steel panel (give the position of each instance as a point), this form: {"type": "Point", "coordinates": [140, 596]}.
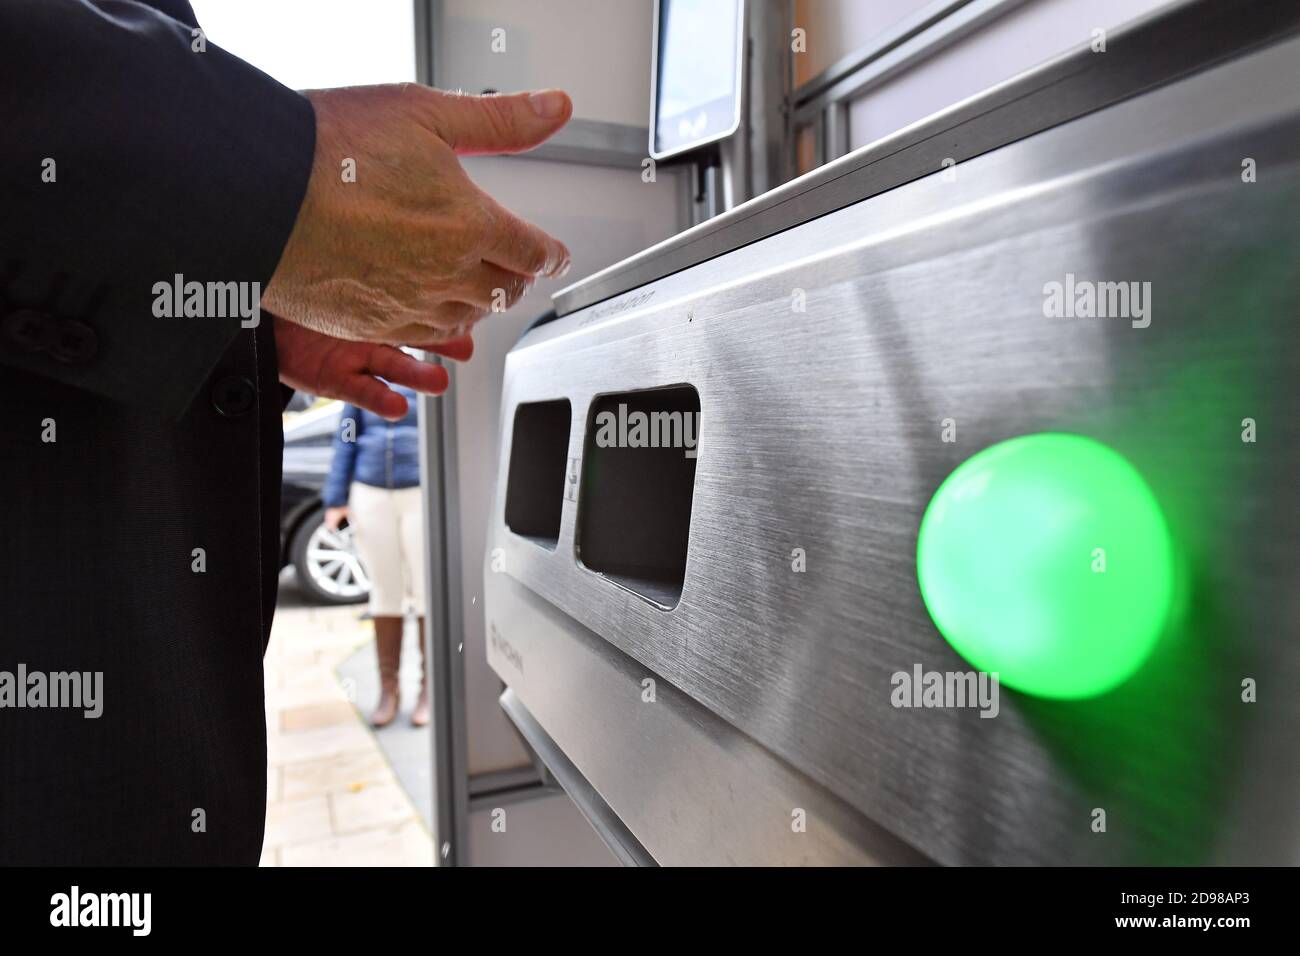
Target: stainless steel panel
{"type": "Point", "coordinates": [685, 788]}
{"type": "Point", "coordinates": [821, 430]}
{"type": "Point", "coordinates": [538, 831]}
{"type": "Point", "coordinates": [626, 848]}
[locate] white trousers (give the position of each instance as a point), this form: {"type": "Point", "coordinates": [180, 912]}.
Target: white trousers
{"type": "Point", "coordinates": [390, 540]}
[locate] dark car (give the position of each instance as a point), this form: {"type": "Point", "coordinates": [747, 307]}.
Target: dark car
{"type": "Point", "coordinates": [326, 561]}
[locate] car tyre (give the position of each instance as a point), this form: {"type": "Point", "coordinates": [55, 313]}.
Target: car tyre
{"type": "Point", "coordinates": [326, 562]}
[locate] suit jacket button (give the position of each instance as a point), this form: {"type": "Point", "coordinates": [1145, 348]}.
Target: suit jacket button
{"type": "Point", "coordinates": [75, 343]}
{"type": "Point", "coordinates": [29, 330]}
{"type": "Point", "coordinates": [233, 396]}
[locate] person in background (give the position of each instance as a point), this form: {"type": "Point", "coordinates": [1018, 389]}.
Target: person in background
{"type": "Point", "coordinates": [374, 485]}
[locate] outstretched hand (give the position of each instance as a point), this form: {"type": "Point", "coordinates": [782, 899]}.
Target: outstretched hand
{"type": "Point", "coordinates": [394, 243]}
{"type": "Point", "coordinates": [352, 371]}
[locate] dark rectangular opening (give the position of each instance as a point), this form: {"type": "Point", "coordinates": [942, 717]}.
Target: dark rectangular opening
{"type": "Point", "coordinates": [539, 452]}
{"type": "Point", "coordinates": [638, 482]}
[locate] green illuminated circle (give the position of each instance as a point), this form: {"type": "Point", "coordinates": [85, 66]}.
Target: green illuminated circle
{"type": "Point", "coordinates": [1046, 558]}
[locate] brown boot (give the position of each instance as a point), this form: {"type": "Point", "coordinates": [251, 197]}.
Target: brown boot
{"type": "Point", "coordinates": [420, 716]}
{"type": "Point", "coordinates": [388, 650]}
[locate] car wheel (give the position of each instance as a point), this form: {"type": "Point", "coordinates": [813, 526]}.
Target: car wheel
{"type": "Point", "coordinates": [326, 561]}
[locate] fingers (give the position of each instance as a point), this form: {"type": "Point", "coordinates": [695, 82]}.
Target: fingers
{"type": "Point", "coordinates": [396, 366]}
{"type": "Point", "coordinates": [459, 349]}
{"type": "Point", "coordinates": [373, 395]}
{"type": "Point", "coordinates": [363, 389]}
{"type": "Point", "coordinates": [498, 124]}
{"type": "Point", "coordinates": [519, 246]}
{"type": "Point", "coordinates": [424, 220]}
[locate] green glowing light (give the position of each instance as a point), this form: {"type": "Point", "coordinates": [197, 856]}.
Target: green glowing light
{"type": "Point", "coordinates": [1046, 558]}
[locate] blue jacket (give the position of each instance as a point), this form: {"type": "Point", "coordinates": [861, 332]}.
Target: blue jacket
{"type": "Point", "coordinates": [382, 453]}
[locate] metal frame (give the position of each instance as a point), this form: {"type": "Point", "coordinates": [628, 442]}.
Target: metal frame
{"type": "Point", "coordinates": [898, 332]}
{"type": "Point", "coordinates": [769, 79]}
{"type": "Point", "coordinates": [445, 671]}
{"type": "Point", "coordinates": [911, 39]}
{"type": "Point", "coordinates": [1046, 96]}
{"type": "Point", "coordinates": [823, 101]}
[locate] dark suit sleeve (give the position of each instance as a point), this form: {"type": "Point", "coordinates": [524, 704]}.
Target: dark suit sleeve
{"type": "Point", "coordinates": [166, 162]}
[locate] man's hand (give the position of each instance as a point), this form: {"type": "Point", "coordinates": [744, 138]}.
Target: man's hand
{"type": "Point", "coordinates": [323, 365]}
{"type": "Point", "coordinates": [335, 517]}
{"type": "Point", "coordinates": [411, 252]}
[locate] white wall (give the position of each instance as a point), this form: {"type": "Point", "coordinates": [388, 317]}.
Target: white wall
{"type": "Point", "coordinates": [597, 50]}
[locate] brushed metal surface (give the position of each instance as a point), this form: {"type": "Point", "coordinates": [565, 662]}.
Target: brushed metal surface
{"type": "Point", "coordinates": [1165, 45]}
{"type": "Point", "coordinates": [821, 430]}
{"type": "Point", "coordinates": [688, 789]}
{"type": "Point", "coordinates": [626, 848]}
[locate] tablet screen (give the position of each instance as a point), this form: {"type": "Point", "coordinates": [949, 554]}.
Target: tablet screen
{"type": "Point", "coordinates": [697, 79]}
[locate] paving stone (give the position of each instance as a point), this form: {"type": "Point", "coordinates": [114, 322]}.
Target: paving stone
{"type": "Point", "coordinates": [346, 772]}
{"type": "Point", "coordinates": [297, 821]}
{"type": "Point", "coordinates": [332, 797]}
{"type": "Point", "coordinates": [371, 806]}
{"type": "Point", "coordinates": [285, 748]}
{"type": "Point", "coordinates": [407, 844]}
{"type": "Point", "coordinates": [313, 716]}
{"type": "Point", "coordinates": [274, 784]}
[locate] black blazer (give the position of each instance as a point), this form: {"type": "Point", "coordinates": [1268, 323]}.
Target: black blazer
{"type": "Point", "coordinates": [165, 431]}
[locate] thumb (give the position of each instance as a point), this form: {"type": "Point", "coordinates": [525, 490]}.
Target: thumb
{"type": "Point", "coordinates": [495, 123]}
